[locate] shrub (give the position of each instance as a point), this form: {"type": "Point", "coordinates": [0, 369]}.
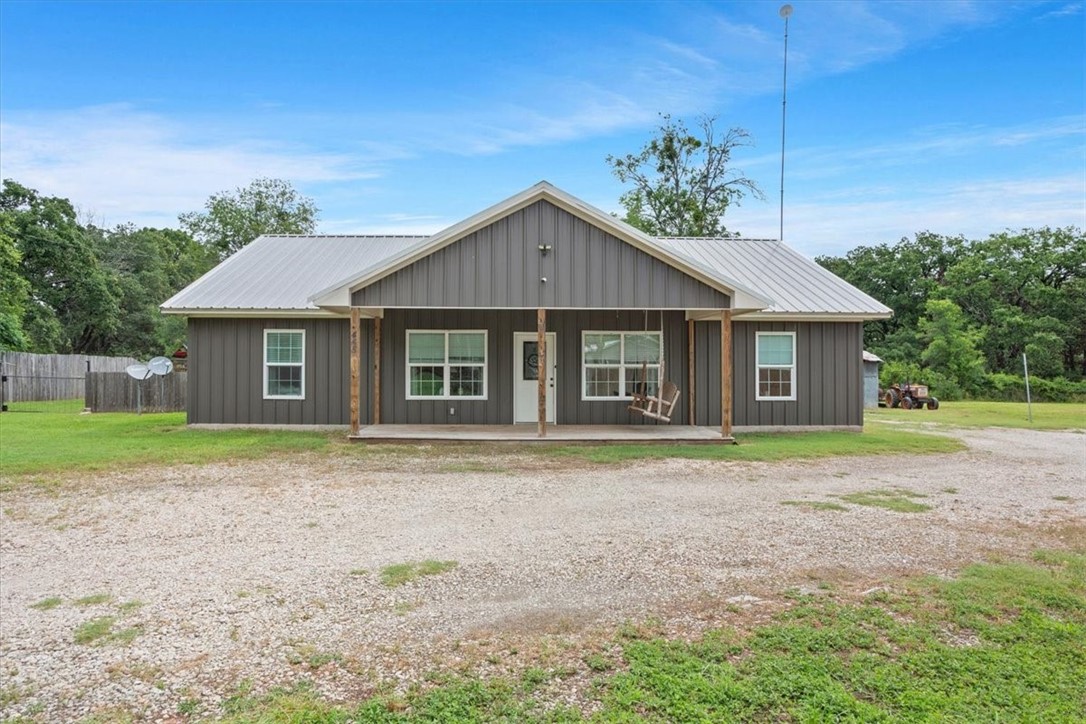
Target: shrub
{"type": "Point", "coordinates": [1012, 388]}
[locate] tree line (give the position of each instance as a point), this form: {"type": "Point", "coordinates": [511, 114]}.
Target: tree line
{"type": "Point", "coordinates": [69, 286]}
{"type": "Point", "coordinates": [966, 310]}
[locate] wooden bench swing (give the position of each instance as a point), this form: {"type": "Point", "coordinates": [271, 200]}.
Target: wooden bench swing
{"type": "Point", "coordinates": [658, 406]}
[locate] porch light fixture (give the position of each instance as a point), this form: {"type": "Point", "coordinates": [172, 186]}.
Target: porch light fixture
{"type": "Point", "coordinates": [544, 248]}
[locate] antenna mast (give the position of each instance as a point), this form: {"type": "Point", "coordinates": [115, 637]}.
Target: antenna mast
{"type": "Point", "coordinates": [785, 12]}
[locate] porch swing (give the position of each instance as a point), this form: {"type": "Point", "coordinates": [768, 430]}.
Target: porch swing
{"type": "Point", "coordinates": [658, 406]}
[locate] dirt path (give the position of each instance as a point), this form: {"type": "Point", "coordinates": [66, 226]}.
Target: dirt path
{"type": "Point", "coordinates": [264, 570]}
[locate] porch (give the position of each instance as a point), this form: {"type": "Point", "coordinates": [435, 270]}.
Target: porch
{"type": "Point", "coordinates": [529, 433]}
{"type": "Point", "coordinates": [561, 388]}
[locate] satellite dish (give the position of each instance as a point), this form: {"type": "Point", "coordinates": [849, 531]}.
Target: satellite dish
{"type": "Point", "coordinates": [138, 372]}
{"type": "Point", "coordinates": [160, 366]}
{"type": "Point", "coordinates": [785, 10]}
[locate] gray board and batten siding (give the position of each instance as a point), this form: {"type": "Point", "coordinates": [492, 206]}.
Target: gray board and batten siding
{"type": "Point", "coordinates": [226, 373]}
{"type": "Point", "coordinates": [829, 375]}
{"type": "Point", "coordinates": [226, 368]}
{"type": "Point", "coordinates": [501, 265]}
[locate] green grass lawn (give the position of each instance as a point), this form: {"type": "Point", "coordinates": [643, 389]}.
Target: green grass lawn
{"type": "Point", "coordinates": [977, 413]}
{"type": "Point", "coordinates": [46, 443]}
{"type": "Point", "coordinates": [1002, 642]}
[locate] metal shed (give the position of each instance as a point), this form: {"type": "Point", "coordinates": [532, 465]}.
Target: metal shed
{"type": "Point", "coordinates": [871, 379]}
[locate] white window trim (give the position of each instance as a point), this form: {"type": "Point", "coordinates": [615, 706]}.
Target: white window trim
{"type": "Point", "coordinates": [266, 365]}
{"type": "Point", "coordinates": [758, 367]}
{"type": "Point", "coordinates": [585, 397]}
{"type": "Point", "coordinates": [485, 364]}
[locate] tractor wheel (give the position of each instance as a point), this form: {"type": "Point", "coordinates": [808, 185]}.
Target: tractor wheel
{"type": "Point", "coordinates": [907, 403]}
{"type": "Point", "coordinates": [933, 404]}
{"type": "Point", "coordinates": [892, 398]}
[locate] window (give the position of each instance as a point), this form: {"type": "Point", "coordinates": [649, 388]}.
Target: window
{"type": "Point", "coordinates": [284, 364]}
{"type": "Point", "coordinates": [613, 363]}
{"type": "Point", "coordinates": [776, 353]}
{"type": "Point", "coordinates": [443, 365]}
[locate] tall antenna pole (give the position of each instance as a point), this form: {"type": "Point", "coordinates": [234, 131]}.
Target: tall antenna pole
{"type": "Point", "coordinates": [785, 12]}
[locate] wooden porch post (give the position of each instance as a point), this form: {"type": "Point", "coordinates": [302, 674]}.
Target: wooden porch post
{"type": "Point", "coordinates": [356, 366]}
{"type": "Point", "coordinates": [541, 345]}
{"type": "Point", "coordinates": [726, 373]}
{"type": "Point", "coordinates": [691, 379]}
{"type": "Point", "coordinates": [376, 370]}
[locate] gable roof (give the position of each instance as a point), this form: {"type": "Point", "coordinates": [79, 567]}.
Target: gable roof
{"type": "Point", "coordinates": [338, 294]}
{"type": "Point", "coordinates": [314, 275]}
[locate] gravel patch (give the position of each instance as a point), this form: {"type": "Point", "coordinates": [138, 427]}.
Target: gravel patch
{"type": "Point", "coordinates": [270, 571]}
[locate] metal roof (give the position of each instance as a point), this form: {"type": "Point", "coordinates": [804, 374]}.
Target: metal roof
{"type": "Point", "coordinates": [796, 284]}
{"type": "Point", "coordinates": [280, 272]}
{"type": "Point", "coordinates": [286, 272]}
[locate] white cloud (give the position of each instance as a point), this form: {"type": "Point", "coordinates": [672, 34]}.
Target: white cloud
{"type": "Point", "coordinates": [834, 223]}
{"type": "Point", "coordinates": [121, 165]}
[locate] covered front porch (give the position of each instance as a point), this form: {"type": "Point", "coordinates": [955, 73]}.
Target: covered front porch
{"type": "Point", "coordinates": [527, 433]}
{"type": "Point", "coordinates": [552, 393]}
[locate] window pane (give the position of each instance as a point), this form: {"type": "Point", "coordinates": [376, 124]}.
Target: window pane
{"type": "Point", "coordinates": [601, 381]}
{"type": "Point", "coordinates": [602, 349]}
{"type": "Point", "coordinates": [775, 383]}
{"type": "Point", "coordinates": [775, 349]}
{"type": "Point", "coordinates": [634, 381]}
{"type": "Point", "coordinates": [643, 348]}
{"type": "Point", "coordinates": [285, 381]}
{"type": "Point", "coordinates": [427, 381]}
{"type": "Point", "coordinates": [530, 367]}
{"type": "Point", "coordinates": [284, 347]}
{"type": "Point", "coordinates": [467, 347]}
{"type": "Point", "coordinates": [466, 381]}
{"type": "Point", "coordinates": [426, 347]}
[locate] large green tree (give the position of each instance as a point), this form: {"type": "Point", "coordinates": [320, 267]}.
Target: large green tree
{"type": "Point", "coordinates": [149, 266]}
{"type": "Point", "coordinates": [951, 344]}
{"type": "Point", "coordinates": [72, 304]}
{"type": "Point", "coordinates": [683, 183]}
{"type": "Point", "coordinates": [14, 291]}
{"type": "Point", "coordinates": [1025, 291]}
{"type": "Point", "coordinates": [233, 219]}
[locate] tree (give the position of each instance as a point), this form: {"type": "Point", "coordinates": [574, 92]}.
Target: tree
{"type": "Point", "coordinates": [951, 343]}
{"type": "Point", "coordinates": [682, 184]}
{"type": "Point", "coordinates": [14, 292]}
{"type": "Point", "coordinates": [72, 305]}
{"type": "Point", "coordinates": [149, 265]}
{"type": "Point", "coordinates": [265, 206]}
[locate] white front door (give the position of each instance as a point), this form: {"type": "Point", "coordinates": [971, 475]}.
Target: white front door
{"type": "Point", "coordinates": [526, 376]}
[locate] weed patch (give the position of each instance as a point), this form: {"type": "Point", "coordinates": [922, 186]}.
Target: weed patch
{"type": "Point", "coordinates": [1002, 642]}
{"type": "Point", "coordinates": [895, 499]}
{"type": "Point", "coordinates": [99, 631]}
{"type": "Point", "coordinates": [47, 604]}
{"type": "Point", "coordinates": [815, 504]}
{"type": "Point", "coordinates": [400, 574]}
{"type": "Point", "coordinates": [93, 600]}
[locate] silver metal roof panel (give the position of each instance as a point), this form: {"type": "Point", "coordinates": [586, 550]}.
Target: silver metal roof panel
{"type": "Point", "coordinates": [280, 272]}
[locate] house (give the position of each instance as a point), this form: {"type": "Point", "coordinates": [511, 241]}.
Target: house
{"type": "Point", "coordinates": [540, 303]}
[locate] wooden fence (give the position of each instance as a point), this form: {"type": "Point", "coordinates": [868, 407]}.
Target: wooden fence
{"type": "Point", "coordinates": [117, 392]}
{"type": "Point", "coordinates": [32, 377]}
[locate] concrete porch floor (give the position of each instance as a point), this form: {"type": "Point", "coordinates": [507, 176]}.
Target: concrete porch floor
{"type": "Point", "coordinates": [643, 434]}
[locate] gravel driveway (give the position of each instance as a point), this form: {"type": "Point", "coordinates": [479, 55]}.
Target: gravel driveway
{"type": "Point", "coordinates": [270, 571]}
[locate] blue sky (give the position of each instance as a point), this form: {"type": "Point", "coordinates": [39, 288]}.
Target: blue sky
{"type": "Point", "coordinates": [955, 117]}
